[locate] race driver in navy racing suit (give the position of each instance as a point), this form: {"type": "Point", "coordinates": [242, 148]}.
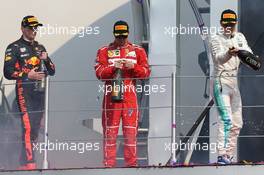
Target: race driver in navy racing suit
{"type": "Point", "coordinates": [22, 61]}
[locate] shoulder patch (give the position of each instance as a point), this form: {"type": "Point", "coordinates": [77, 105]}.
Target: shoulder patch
{"type": "Point", "coordinates": [240, 35]}
{"type": "Point", "coordinates": [8, 50]}
{"type": "Point", "coordinates": [8, 58]}
{"type": "Point", "coordinates": [103, 48]}
{"type": "Point", "coordinates": [138, 46]}
{"type": "Point", "coordinates": [216, 36]}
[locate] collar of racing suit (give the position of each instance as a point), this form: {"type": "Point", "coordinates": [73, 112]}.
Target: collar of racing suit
{"type": "Point", "coordinates": [29, 43]}
{"type": "Point", "coordinates": [114, 45]}
{"type": "Point", "coordinates": [229, 36]}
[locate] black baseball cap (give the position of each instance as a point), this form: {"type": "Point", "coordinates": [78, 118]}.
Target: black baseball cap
{"type": "Point", "coordinates": [30, 21]}
{"type": "Point", "coordinates": [121, 28]}
{"type": "Point", "coordinates": [228, 17]}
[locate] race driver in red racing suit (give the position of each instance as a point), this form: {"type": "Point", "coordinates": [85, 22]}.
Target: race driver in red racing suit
{"type": "Point", "coordinates": [22, 61]}
{"type": "Point", "coordinates": [134, 65]}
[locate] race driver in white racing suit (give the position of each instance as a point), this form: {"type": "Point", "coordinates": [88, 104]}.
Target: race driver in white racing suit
{"type": "Point", "coordinates": [225, 86]}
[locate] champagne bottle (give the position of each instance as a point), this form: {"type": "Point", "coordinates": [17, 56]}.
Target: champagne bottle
{"type": "Point", "coordinates": [42, 83]}
{"type": "Point", "coordinates": [117, 86]}
{"type": "Point", "coordinates": [249, 59]}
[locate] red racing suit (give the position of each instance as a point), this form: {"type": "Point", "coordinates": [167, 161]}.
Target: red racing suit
{"type": "Point", "coordinates": [126, 109]}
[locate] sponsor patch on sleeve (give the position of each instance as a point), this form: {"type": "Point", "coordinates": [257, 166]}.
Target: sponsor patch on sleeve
{"type": "Point", "coordinates": [8, 58]}
{"type": "Point", "coordinates": [8, 50]}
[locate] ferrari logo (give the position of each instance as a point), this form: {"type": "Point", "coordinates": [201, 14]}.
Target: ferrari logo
{"type": "Point", "coordinates": [126, 51]}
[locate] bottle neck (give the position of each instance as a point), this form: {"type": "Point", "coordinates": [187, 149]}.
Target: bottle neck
{"type": "Point", "coordinates": [118, 73]}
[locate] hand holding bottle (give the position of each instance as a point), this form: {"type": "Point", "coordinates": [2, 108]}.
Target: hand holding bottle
{"type": "Point", "coordinates": [43, 56]}
{"type": "Point", "coordinates": [129, 64]}
{"type": "Point", "coordinates": [34, 75]}
{"type": "Point", "coordinates": [233, 51]}
{"type": "Point", "coordinates": [118, 64]}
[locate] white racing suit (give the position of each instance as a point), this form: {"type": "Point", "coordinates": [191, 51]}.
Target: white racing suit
{"type": "Point", "coordinates": [226, 92]}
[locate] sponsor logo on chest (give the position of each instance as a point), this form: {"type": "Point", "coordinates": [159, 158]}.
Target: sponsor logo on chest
{"type": "Point", "coordinates": [131, 54]}
{"type": "Point", "coordinates": [239, 42]}
{"type": "Point", "coordinates": [24, 55]}
{"type": "Point", "coordinates": [117, 53]}
{"type": "Point", "coordinates": [113, 53]}
{"type": "Point", "coordinates": [23, 49]}
{"type": "Point", "coordinates": [33, 61]}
